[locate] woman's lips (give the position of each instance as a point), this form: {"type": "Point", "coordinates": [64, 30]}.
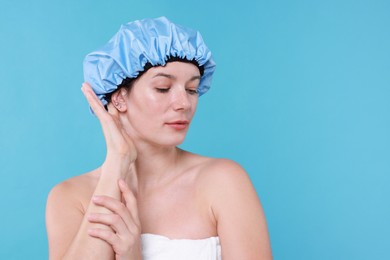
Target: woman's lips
{"type": "Point", "coordinates": [178, 125]}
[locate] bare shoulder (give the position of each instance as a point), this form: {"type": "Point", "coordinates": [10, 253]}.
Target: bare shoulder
{"type": "Point", "coordinates": [219, 174]}
{"type": "Point", "coordinates": [222, 180]}
{"type": "Point", "coordinates": [65, 209]}
{"type": "Point", "coordinates": [83, 181]}
{"type": "Point", "coordinates": [216, 176]}
{"type": "Point", "coordinates": [222, 165]}
{"type": "Point", "coordinates": [69, 199]}
{"type": "Point", "coordinates": [72, 191]}
{"type": "Point", "coordinates": [239, 215]}
{"type": "Point", "coordinates": [214, 173]}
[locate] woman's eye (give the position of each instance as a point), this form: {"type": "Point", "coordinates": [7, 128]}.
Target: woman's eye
{"type": "Point", "coordinates": [162, 90]}
{"type": "Point", "coordinates": [192, 91]}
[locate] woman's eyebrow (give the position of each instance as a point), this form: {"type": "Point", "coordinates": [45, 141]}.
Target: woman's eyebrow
{"type": "Point", "coordinates": [164, 75]}
{"type": "Point", "coordinates": [197, 77]}
{"type": "Point", "coordinates": [194, 78]}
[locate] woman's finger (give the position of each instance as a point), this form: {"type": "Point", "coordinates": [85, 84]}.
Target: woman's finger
{"type": "Point", "coordinates": [113, 220]}
{"type": "Point", "coordinates": [118, 208]}
{"type": "Point", "coordinates": [93, 101]}
{"type": "Point", "coordinates": [112, 110]}
{"type": "Point", "coordinates": [107, 235]}
{"type": "Point", "coordinates": [130, 200]}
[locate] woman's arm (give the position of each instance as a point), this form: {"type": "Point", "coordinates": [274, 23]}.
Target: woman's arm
{"type": "Point", "coordinates": [109, 225]}
{"type": "Point", "coordinates": [67, 225]}
{"type": "Point", "coordinates": [241, 223]}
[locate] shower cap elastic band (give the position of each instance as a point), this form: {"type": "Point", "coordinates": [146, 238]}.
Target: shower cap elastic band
{"type": "Point", "coordinates": [148, 41]}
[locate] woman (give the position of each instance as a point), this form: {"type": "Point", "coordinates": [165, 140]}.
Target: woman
{"type": "Point", "coordinates": [150, 199]}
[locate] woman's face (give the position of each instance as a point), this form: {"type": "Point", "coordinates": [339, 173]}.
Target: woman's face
{"type": "Point", "coordinates": [162, 102]}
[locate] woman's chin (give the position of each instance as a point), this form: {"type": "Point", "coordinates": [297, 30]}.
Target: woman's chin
{"type": "Point", "coordinates": [173, 143]}
{"type": "Point", "coordinates": [160, 142]}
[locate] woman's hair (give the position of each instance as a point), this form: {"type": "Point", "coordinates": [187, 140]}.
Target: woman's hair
{"type": "Point", "coordinates": [128, 83]}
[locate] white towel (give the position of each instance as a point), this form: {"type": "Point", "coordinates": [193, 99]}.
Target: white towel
{"type": "Point", "coordinates": [158, 247]}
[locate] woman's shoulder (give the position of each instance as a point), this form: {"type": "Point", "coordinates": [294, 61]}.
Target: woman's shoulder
{"type": "Point", "coordinates": [222, 171]}
{"type": "Point", "coordinates": [77, 183]}
{"type": "Point", "coordinates": [211, 172]}
{"type": "Point", "coordinates": [214, 167]}
{"type": "Point", "coordinates": [73, 190]}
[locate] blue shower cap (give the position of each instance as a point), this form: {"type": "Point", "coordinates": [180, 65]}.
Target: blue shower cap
{"type": "Point", "coordinates": [140, 42]}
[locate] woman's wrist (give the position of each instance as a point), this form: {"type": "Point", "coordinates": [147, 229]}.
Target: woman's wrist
{"type": "Point", "coordinates": [115, 166]}
{"type": "Point", "coordinates": [122, 157]}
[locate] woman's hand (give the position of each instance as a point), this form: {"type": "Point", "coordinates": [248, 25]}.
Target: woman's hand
{"type": "Point", "coordinates": [124, 234]}
{"type": "Point", "coordinates": [117, 140]}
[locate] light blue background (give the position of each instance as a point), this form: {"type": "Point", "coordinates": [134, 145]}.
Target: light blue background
{"type": "Point", "coordinates": [300, 98]}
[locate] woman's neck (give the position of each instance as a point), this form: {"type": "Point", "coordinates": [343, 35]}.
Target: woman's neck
{"type": "Point", "coordinates": [156, 166]}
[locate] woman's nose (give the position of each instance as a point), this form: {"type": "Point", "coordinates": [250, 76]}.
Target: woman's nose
{"type": "Point", "coordinates": [181, 100]}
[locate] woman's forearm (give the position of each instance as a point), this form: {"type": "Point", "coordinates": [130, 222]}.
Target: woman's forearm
{"type": "Point", "coordinates": [83, 245]}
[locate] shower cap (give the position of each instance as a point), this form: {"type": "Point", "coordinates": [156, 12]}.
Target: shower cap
{"type": "Point", "coordinates": [140, 42]}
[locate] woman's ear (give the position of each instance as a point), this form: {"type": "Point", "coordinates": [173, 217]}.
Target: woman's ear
{"type": "Point", "coordinates": [118, 99]}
